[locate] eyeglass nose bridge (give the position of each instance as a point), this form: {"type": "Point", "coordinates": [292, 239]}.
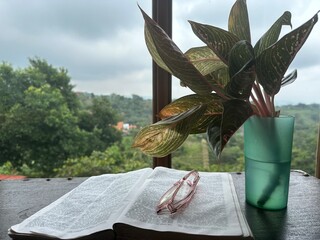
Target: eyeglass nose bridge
{"type": "Point", "coordinates": [171, 208]}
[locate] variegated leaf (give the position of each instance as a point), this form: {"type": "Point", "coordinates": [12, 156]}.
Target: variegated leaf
{"type": "Point", "coordinates": [187, 117]}
{"type": "Point", "coordinates": [290, 78]}
{"type": "Point", "coordinates": [217, 39]}
{"type": "Point", "coordinates": [214, 134]}
{"type": "Point", "coordinates": [160, 140]}
{"type": "Point", "coordinates": [165, 136]}
{"type": "Point", "coordinates": [272, 35]}
{"type": "Point", "coordinates": [209, 65]}
{"type": "Point", "coordinates": [273, 62]}
{"type": "Point", "coordinates": [153, 51]}
{"type": "Point", "coordinates": [167, 53]}
{"type": "Point", "coordinates": [236, 112]}
{"type": "Point", "coordinates": [213, 103]}
{"type": "Point", "coordinates": [238, 23]}
{"type": "Point", "coordinates": [241, 70]}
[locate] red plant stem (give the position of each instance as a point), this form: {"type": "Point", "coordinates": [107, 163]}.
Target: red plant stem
{"type": "Point", "coordinates": [256, 103]}
{"type": "Point", "coordinates": [270, 103]}
{"type": "Point", "coordinates": [267, 99]}
{"type": "Point", "coordinates": [262, 104]}
{"type": "Point", "coordinates": [261, 110]}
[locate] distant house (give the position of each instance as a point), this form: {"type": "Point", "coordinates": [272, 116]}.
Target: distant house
{"type": "Point", "coordinates": [125, 127]}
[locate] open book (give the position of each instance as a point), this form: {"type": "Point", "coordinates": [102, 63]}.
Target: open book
{"type": "Point", "coordinates": [122, 206]}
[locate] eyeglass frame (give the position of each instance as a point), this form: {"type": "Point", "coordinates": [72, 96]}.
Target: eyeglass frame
{"type": "Point", "coordinates": [172, 206]}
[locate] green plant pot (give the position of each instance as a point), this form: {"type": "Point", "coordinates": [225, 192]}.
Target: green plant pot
{"type": "Point", "coordinates": [267, 150]}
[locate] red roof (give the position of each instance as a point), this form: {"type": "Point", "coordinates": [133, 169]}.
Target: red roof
{"type": "Point", "coordinates": [11, 177]}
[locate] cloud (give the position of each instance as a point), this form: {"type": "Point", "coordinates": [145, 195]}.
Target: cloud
{"type": "Point", "coordinates": [304, 90]}
{"type": "Point", "coordinates": [101, 43]}
{"type": "Point", "coordinates": [94, 19]}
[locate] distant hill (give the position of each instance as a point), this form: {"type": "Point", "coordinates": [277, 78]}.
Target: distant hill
{"type": "Point", "coordinates": [138, 110]}
{"type": "Point", "coordinates": [135, 110]}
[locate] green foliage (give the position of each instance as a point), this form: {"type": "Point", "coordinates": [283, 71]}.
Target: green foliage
{"type": "Point", "coordinates": [134, 110]}
{"type": "Point", "coordinates": [36, 132]}
{"type": "Point", "coordinates": [307, 120]}
{"type": "Point", "coordinates": [39, 119]}
{"type": "Point", "coordinates": [194, 154]}
{"type": "Point", "coordinates": [7, 168]}
{"type": "Point", "coordinates": [119, 157]}
{"type": "Point", "coordinates": [99, 118]}
{"type": "Point", "coordinates": [244, 78]}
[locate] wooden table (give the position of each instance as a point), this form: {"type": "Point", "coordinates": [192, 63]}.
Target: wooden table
{"type": "Point", "coordinates": [19, 199]}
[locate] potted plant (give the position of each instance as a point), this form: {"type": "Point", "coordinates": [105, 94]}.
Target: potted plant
{"type": "Point", "coordinates": [232, 81]}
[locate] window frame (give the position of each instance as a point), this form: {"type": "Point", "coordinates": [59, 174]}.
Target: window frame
{"type": "Point", "coordinates": [161, 80]}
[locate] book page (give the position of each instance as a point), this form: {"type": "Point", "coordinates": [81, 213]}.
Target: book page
{"type": "Point", "coordinates": [91, 207]}
{"type": "Point", "coordinates": [212, 211]}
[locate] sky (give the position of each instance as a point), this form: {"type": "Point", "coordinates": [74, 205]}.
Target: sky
{"type": "Point", "coordinates": [101, 42]}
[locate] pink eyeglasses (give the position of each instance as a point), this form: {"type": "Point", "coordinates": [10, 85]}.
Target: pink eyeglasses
{"type": "Point", "coordinates": [179, 195]}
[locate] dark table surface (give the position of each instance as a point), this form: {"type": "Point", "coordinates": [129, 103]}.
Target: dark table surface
{"type": "Point", "coordinates": [19, 199]}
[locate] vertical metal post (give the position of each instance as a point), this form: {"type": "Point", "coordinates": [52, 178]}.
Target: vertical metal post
{"type": "Point", "coordinates": [162, 14]}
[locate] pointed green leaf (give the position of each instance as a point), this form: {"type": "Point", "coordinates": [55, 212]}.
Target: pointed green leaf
{"type": "Point", "coordinates": [153, 51]}
{"type": "Point", "coordinates": [290, 78]}
{"type": "Point", "coordinates": [236, 112]}
{"type": "Point", "coordinates": [188, 116]}
{"type": "Point", "coordinates": [241, 70]}
{"type": "Point", "coordinates": [272, 35]}
{"type": "Point", "coordinates": [161, 46]}
{"type": "Point", "coordinates": [204, 59]}
{"type": "Point", "coordinates": [238, 23]}
{"type": "Point", "coordinates": [160, 140]}
{"type": "Point", "coordinates": [165, 136]}
{"type": "Point", "coordinates": [273, 62]}
{"type": "Point", "coordinates": [212, 101]}
{"type": "Point", "coordinates": [186, 103]}
{"type": "Point", "coordinates": [214, 133]}
{"type": "Point", "coordinates": [220, 76]}
{"type": "Point", "coordinates": [209, 65]}
{"type": "Point", "coordinates": [217, 39]}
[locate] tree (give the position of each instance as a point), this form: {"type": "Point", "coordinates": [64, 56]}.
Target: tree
{"type": "Point", "coordinates": [134, 110]}
{"type": "Point", "coordinates": [119, 157]}
{"type": "Point", "coordinates": [100, 119]}
{"type": "Point", "coordinates": [44, 73]}
{"type": "Point", "coordinates": [39, 119]}
{"type": "Point", "coordinates": [41, 132]}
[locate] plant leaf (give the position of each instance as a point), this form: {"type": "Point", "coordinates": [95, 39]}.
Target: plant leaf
{"type": "Point", "coordinates": [290, 78]}
{"type": "Point", "coordinates": [188, 116]}
{"type": "Point", "coordinates": [204, 59]}
{"type": "Point", "coordinates": [160, 140]}
{"type": "Point", "coordinates": [209, 65]}
{"type": "Point", "coordinates": [235, 113]}
{"type": "Point", "coordinates": [214, 133]}
{"type": "Point", "coordinates": [272, 35]}
{"type": "Point", "coordinates": [153, 51]}
{"type": "Point", "coordinates": [212, 101]}
{"type": "Point", "coordinates": [238, 23]}
{"type": "Point", "coordinates": [217, 39]}
{"type": "Point", "coordinates": [165, 136]}
{"type": "Point", "coordinates": [168, 55]}
{"type": "Point", "coordinates": [273, 62]}
{"type": "Point", "coordinates": [241, 70]}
